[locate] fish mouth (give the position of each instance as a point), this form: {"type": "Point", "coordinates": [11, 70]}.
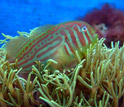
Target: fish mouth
{"type": "Point", "coordinates": [95, 35]}
{"type": "Point", "coordinates": [94, 38]}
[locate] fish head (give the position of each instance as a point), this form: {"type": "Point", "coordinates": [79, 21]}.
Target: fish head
{"type": "Point", "coordinates": [84, 35]}
{"type": "Point", "coordinates": [87, 31]}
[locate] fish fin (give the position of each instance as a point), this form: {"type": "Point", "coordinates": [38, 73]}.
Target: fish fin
{"type": "Point", "coordinates": [38, 30]}
{"type": "Point", "coordinates": [14, 45]}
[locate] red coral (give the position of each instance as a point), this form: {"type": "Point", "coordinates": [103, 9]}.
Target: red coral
{"type": "Point", "coordinates": [109, 23]}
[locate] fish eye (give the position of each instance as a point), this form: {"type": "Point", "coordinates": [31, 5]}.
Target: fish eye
{"type": "Point", "coordinates": [84, 28]}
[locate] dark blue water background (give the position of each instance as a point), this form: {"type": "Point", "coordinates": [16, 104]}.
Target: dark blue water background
{"type": "Point", "coordinates": [22, 15]}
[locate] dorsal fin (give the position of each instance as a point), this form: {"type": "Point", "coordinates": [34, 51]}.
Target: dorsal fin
{"type": "Point", "coordinates": [14, 45]}
{"type": "Point", "coordinates": [36, 31]}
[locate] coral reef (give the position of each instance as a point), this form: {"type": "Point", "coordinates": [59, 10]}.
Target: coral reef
{"type": "Point", "coordinates": [109, 23]}
{"type": "Point", "coordinates": [96, 81]}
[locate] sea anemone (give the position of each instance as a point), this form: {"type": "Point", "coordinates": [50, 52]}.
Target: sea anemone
{"type": "Point", "coordinates": [109, 23]}
{"type": "Point", "coordinates": [95, 81]}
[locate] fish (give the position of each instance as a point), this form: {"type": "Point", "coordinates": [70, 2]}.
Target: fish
{"type": "Point", "coordinates": [58, 42]}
